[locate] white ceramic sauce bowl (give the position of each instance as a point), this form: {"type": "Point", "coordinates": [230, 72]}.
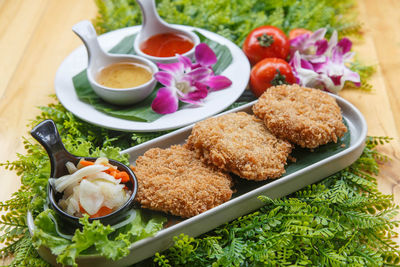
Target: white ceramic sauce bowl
{"type": "Point", "coordinates": [98, 60]}
{"type": "Point", "coordinates": [152, 25]}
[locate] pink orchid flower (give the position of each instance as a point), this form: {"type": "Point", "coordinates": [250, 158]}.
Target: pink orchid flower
{"type": "Point", "coordinates": [321, 64]}
{"type": "Point", "coordinates": [186, 81]}
{"type": "Point", "coordinates": [304, 71]}
{"type": "Point", "coordinates": [310, 46]}
{"type": "Point", "coordinates": [334, 72]}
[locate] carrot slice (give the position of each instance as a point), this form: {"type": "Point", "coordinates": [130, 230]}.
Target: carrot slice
{"type": "Point", "coordinates": [109, 170]}
{"type": "Point", "coordinates": [86, 163]}
{"type": "Point", "coordinates": [114, 173]}
{"type": "Point", "coordinates": [82, 210]}
{"type": "Point", "coordinates": [124, 176]}
{"type": "Point", "coordinates": [103, 211]}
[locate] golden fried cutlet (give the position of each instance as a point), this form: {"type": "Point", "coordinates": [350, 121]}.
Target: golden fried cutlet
{"type": "Point", "coordinates": [173, 180]}
{"type": "Point", "coordinates": [240, 143]}
{"type": "Point", "coordinates": [304, 116]}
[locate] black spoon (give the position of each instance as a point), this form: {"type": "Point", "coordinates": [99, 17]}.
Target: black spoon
{"type": "Point", "coordinates": [47, 135]}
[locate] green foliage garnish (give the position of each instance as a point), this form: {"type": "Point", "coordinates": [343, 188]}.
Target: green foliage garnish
{"type": "Point", "coordinates": [365, 73]}
{"type": "Point", "coordinates": [343, 220]}
{"type": "Point", "coordinates": [79, 138]}
{"type": "Point", "coordinates": [234, 19]}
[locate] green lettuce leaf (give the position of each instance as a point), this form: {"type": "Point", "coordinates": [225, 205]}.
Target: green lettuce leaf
{"type": "Point", "coordinates": [93, 234]}
{"type": "Point", "coordinates": [145, 224]}
{"type": "Point", "coordinates": [46, 234]}
{"type": "Point", "coordinates": [94, 237]}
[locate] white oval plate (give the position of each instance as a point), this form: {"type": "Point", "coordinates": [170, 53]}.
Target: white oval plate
{"type": "Point", "coordinates": [238, 72]}
{"type": "Point", "coordinates": [243, 202]}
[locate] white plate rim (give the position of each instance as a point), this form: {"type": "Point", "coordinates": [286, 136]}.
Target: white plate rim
{"type": "Point", "coordinates": [76, 61]}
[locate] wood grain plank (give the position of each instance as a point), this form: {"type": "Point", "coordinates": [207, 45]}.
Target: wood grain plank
{"type": "Point", "coordinates": [379, 106]}
{"type": "Point", "coordinates": [32, 81]}
{"type": "Point", "coordinates": [383, 18]}
{"type": "Point", "coordinates": [376, 106]}
{"type": "Point", "coordinates": [18, 20]}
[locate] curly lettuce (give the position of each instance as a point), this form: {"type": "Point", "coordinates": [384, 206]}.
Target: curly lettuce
{"type": "Point", "coordinates": [112, 242]}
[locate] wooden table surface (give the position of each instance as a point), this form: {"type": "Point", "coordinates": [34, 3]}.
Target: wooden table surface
{"type": "Point", "coordinates": [35, 37]}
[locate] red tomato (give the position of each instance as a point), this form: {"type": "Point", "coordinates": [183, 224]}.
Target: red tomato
{"type": "Point", "coordinates": [264, 42]}
{"type": "Point", "coordinates": [297, 32]}
{"type": "Point", "coordinates": [270, 72]}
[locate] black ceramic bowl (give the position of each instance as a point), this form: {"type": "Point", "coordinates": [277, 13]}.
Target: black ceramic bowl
{"type": "Point", "coordinates": [47, 135]}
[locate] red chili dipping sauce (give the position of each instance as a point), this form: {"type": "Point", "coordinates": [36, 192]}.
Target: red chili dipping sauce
{"type": "Point", "coordinates": [166, 45]}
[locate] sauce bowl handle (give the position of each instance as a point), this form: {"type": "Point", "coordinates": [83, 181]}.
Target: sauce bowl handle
{"type": "Point", "coordinates": [47, 135]}
{"type": "Point", "coordinates": [151, 21]}
{"type": "Point", "coordinates": [86, 32]}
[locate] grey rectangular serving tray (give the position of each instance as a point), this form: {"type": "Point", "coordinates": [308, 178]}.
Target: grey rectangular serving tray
{"type": "Point", "coordinates": [239, 205]}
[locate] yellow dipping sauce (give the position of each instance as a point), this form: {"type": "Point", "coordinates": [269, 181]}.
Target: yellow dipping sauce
{"type": "Point", "coordinates": [124, 75]}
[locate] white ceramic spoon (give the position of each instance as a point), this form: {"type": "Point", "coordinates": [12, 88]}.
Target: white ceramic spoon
{"type": "Point", "coordinates": [152, 24]}
{"type": "Point", "coordinates": [99, 59]}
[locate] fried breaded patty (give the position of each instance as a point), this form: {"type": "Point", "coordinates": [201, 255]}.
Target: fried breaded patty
{"type": "Point", "coordinates": [304, 116]}
{"type": "Point", "coordinates": [240, 143]}
{"type": "Point", "coordinates": [173, 180]}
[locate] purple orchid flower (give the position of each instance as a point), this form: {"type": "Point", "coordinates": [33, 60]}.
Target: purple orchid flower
{"type": "Point", "coordinates": [186, 81]}
{"type": "Point", "coordinates": [304, 71]}
{"type": "Point", "coordinates": [311, 46]}
{"type": "Point", "coordinates": [334, 72]}
{"type": "Point", "coordinates": [321, 64]}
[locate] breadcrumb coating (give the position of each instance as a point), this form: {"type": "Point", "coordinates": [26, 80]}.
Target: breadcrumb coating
{"type": "Point", "coordinates": [240, 143]}
{"type": "Point", "coordinates": [173, 180]}
{"type": "Point", "coordinates": [304, 116]}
